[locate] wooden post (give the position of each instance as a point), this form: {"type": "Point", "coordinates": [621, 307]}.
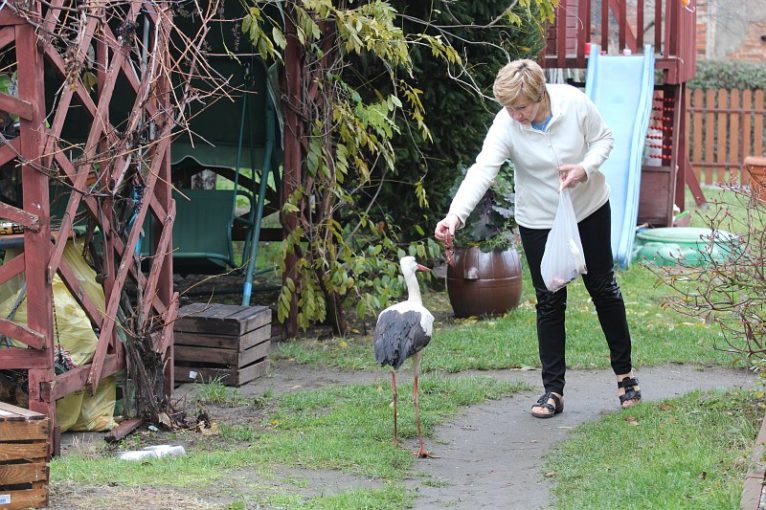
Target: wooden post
{"type": "Point", "coordinates": [37, 247]}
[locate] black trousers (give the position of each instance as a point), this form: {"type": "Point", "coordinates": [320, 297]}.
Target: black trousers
{"type": "Point", "coordinates": [595, 233]}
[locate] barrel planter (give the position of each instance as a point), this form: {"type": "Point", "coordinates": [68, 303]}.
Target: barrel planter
{"type": "Point", "coordinates": [484, 283]}
{"type": "Point", "coordinates": [756, 167]}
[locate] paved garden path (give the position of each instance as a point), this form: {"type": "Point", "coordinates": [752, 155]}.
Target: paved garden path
{"type": "Point", "coordinates": [491, 455]}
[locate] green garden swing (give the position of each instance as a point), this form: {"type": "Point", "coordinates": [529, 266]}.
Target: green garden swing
{"type": "Point", "coordinates": [206, 219]}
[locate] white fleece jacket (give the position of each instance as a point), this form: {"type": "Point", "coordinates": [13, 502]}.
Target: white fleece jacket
{"type": "Point", "coordinates": [576, 134]}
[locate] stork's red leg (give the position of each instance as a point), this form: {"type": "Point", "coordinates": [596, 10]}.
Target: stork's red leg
{"type": "Point", "coordinates": [422, 452]}
{"type": "Point", "coordinates": [393, 389]}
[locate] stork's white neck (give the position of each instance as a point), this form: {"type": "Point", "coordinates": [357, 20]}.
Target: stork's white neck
{"type": "Point", "coordinates": [413, 289]}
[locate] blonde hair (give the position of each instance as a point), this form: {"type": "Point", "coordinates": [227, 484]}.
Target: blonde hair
{"type": "Point", "coordinates": [520, 79]}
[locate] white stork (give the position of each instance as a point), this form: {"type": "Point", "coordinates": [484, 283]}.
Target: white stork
{"type": "Point", "coordinates": [403, 330]}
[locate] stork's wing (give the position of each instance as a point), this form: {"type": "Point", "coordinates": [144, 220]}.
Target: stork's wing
{"type": "Point", "coordinates": [399, 335]}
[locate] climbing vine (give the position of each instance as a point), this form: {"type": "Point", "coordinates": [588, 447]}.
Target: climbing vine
{"type": "Point", "coordinates": [344, 130]}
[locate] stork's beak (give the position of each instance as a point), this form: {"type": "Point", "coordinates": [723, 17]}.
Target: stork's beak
{"type": "Point", "coordinates": [421, 267]}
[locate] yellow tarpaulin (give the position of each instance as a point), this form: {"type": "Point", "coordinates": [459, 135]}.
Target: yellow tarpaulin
{"type": "Point", "coordinates": [74, 340]}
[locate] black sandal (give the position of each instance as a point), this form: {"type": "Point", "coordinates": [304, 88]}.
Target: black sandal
{"type": "Point", "coordinates": [631, 393]}
{"type": "Point", "coordinates": [550, 409]}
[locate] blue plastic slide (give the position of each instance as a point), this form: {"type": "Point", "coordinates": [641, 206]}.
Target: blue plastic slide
{"type": "Point", "coordinates": [622, 87]}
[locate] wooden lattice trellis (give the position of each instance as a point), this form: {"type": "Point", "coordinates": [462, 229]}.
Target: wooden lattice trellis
{"type": "Point", "coordinates": [110, 46]}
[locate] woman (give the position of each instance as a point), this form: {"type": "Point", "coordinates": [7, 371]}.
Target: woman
{"type": "Point", "coordinates": [556, 139]}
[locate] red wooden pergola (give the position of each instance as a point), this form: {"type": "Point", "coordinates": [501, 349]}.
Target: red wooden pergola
{"type": "Point", "coordinates": [620, 25]}
{"type": "Point", "coordinates": [116, 149]}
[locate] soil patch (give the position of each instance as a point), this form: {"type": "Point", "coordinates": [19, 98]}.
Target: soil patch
{"type": "Point", "coordinates": [70, 497]}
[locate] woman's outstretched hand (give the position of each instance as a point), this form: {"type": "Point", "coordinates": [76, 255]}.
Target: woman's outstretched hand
{"type": "Point", "coordinates": [445, 232]}
{"type": "Point", "coordinates": [445, 229]}
{"type": "Point", "coordinates": [571, 175]}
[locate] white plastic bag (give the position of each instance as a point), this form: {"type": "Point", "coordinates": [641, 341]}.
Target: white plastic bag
{"type": "Point", "coordinates": [563, 258]}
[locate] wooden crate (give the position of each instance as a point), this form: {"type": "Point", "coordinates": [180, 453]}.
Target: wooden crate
{"type": "Point", "coordinates": [24, 451]}
{"type": "Point", "coordinates": [226, 342]}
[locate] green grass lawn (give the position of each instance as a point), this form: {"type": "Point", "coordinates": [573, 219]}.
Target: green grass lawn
{"type": "Point", "coordinates": [725, 207]}
{"type": "Point", "coordinates": [659, 335]}
{"type": "Point", "coordinates": [690, 452]}
{"type": "Point", "coordinates": [686, 453]}
{"type": "Point", "coordinates": [346, 428]}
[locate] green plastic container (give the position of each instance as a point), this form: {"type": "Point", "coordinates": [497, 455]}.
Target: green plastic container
{"type": "Point", "coordinates": [688, 245]}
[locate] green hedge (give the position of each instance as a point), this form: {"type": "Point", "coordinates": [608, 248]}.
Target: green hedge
{"type": "Point", "coordinates": [720, 74]}
{"type": "Point", "coordinates": [457, 116]}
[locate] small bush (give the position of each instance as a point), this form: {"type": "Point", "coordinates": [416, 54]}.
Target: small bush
{"type": "Point", "coordinates": [729, 293]}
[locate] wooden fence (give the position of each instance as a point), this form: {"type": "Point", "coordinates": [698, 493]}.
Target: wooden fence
{"type": "Point", "coordinates": [723, 128]}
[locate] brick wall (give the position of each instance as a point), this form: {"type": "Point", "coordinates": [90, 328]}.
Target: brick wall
{"type": "Point", "coordinates": [753, 48]}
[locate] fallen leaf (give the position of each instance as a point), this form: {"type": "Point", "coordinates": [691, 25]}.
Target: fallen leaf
{"type": "Point", "coordinates": [210, 431]}
{"type": "Point", "coordinates": [165, 420]}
